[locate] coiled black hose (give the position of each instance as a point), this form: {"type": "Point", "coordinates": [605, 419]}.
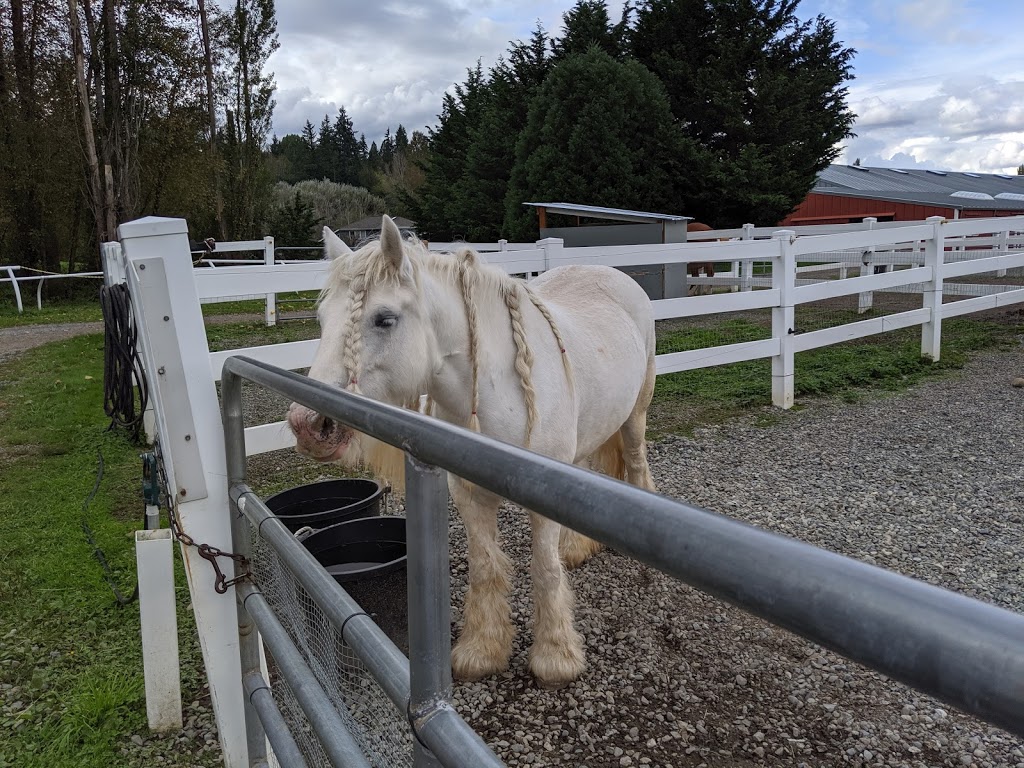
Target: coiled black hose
{"type": "Point", "coordinates": [123, 371]}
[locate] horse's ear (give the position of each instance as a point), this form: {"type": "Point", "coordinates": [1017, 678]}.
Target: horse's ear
{"type": "Point", "coordinates": [334, 246]}
{"type": "Point", "coordinates": [391, 244]}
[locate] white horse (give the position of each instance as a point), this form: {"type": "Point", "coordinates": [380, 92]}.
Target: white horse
{"type": "Point", "coordinates": [563, 365]}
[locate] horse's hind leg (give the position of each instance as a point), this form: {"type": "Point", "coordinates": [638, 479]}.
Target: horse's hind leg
{"type": "Point", "coordinates": [575, 548]}
{"type": "Point", "coordinates": [634, 435]}
{"type": "Point", "coordinates": [556, 657]}
{"type": "Point", "coordinates": [485, 644]}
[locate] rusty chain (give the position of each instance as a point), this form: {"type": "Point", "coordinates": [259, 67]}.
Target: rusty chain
{"type": "Point", "coordinates": [206, 551]}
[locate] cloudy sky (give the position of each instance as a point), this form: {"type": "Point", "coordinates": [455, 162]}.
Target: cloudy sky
{"type": "Point", "coordinates": [938, 83]}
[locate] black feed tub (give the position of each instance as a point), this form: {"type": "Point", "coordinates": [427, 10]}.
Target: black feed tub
{"type": "Point", "coordinates": [319, 505]}
{"type": "Point", "coordinates": [367, 557]}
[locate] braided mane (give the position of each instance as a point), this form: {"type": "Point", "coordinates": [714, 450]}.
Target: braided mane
{"type": "Point", "coordinates": [474, 278]}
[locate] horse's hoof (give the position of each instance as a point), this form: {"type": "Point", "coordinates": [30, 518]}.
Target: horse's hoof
{"type": "Point", "coordinates": [574, 549]}
{"type": "Point", "coordinates": [470, 663]}
{"type": "Point", "coordinates": [554, 667]}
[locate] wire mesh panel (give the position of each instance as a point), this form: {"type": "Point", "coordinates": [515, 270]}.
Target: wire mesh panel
{"type": "Point", "coordinates": [379, 729]}
{"type": "Point", "coordinates": [853, 307]}
{"type": "Point", "coordinates": [713, 330]}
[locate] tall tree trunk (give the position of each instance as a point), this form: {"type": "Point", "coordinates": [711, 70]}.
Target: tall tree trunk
{"type": "Point", "coordinates": [95, 186]}
{"type": "Point", "coordinates": [116, 152]}
{"type": "Point", "coordinates": [218, 195]}
{"type": "Point", "coordinates": [28, 216]}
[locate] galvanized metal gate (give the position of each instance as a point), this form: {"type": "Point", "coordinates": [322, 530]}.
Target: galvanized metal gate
{"type": "Point", "coordinates": [962, 651]}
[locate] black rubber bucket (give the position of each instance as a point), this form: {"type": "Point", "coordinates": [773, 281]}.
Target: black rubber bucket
{"type": "Point", "coordinates": [367, 557]}
{"type": "Point", "coordinates": [319, 505]}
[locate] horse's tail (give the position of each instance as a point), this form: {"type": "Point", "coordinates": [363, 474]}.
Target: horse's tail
{"type": "Point", "coordinates": [609, 459]}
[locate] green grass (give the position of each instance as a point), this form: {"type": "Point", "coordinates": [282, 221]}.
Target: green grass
{"type": "Point", "coordinates": [86, 309]}
{"type": "Point", "coordinates": [72, 311]}
{"type": "Point", "coordinates": [296, 301]}
{"type": "Point", "coordinates": [889, 361]}
{"type": "Point", "coordinates": [72, 655]}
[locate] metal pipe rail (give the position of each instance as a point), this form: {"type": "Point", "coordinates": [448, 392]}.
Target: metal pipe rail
{"type": "Point", "coordinates": [965, 652]}
{"type": "Point", "coordinates": [420, 689]}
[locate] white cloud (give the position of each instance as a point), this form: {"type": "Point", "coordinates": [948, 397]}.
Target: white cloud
{"type": "Point", "coordinates": [927, 92]}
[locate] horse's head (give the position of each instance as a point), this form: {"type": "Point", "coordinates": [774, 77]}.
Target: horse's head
{"type": "Point", "coordinates": [375, 339]}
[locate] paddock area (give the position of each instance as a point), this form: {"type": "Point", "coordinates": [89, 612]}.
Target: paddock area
{"type": "Point", "coordinates": [926, 482]}
{"type": "Point", "coordinates": [664, 686]}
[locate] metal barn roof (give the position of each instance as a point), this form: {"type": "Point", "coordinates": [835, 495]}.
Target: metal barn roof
{"type": "Point", "coordinates": [614, 214]}
{"type": "Point", "coordinates": [955, 189]}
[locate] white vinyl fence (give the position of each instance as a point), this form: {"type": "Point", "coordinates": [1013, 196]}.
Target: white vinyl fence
{"type": "Point", "coordinates": [9, 275]}
{"type": "Point", "coordinates": [921, 258]}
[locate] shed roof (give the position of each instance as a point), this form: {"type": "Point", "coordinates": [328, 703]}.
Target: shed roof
{"type": "Point", "coordinates": [372, 223]}
{"type": "Point", "coordinates": [615, 214]}
{"type": "Point", "coordinates": [955, 189]}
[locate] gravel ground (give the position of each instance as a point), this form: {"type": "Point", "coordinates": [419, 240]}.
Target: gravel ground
{"type": "Point", "coordinates": [926, 482]}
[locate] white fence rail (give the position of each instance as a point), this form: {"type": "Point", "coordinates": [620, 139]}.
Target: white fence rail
{"type": "Point", "coordinates": [40, 278]}
{"type": "Point", "coordinates": [915, 258]}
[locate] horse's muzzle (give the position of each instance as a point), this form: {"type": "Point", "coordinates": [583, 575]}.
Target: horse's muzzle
{"type": "Point", "coordinates": [317, 436]}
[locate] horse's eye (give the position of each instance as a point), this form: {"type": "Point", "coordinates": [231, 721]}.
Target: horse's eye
{"type": "Point", "coordinates": [385, 320]}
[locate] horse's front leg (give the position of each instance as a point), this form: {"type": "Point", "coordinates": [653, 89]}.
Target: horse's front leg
{"type": "Point", "coordinates": [485, 645]}
{"type": "Point", "coordinates": [556, 657]}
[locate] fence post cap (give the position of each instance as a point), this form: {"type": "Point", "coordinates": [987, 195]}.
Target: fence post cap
{"type": "Point", "coordinates": [152, 226]}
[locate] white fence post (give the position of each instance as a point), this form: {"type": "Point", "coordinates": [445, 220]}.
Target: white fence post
{"type": "Point", "coordinates": [268, 259]}
{"type": "Point", "coordinates": [155, 565]}
{"type": "Point", "coordinates": [171, 324]}
{"type": "Point", "coordinates": [14, 285]}
{"type": "Point", "coordinates": [783, 320]}
{"type": "Point", "coordinates": [747, 266]}
{"type": "Point", "coordinates": [1004, 248]}
{"type": "Point", "coordinates": [866, 300]}
{"type": "Point", "coordinates": [934, 256]}
{"type": "Point", "coordinates": [552, 247]}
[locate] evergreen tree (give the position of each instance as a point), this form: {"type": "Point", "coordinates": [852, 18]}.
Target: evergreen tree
{"type": "Point", "coordinates": [387, 149]}
{"type": "Point", "coordinates": [309, 137]}
{"type": "Point", "coordinates": [587, 23]}
{"type": "Point", "coordinates": [599, 132]}
{"type": "Point", "coordinates": [290, 159]}
{"type": "Point", "coordinates": [759, 93]}
{"type": "Point", "coordinates": [349, 155]}
{"type": "Point", "coordinates": [292, 224]}
{"type": "Point", "coordinates": [504, 104]}
{"type": "Point", "coordinates": [437, 211]}
{"type": "Point", "coordinates": [327, 156]}
{"type": "Point", "coordinates": [401, 139]}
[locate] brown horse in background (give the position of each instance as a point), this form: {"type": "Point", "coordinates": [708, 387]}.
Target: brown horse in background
{"type": "Point", "coordinates": [695, 267]}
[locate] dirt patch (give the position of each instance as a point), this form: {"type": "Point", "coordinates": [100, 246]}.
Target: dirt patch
{"type": "Point", "coordinates": [21, 338]}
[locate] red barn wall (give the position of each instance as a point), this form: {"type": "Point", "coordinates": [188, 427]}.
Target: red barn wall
{"type": "Point", "coordinates": [820, 208]}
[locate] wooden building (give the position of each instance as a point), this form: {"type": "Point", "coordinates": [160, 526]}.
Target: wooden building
{"type": "Point", "coordinates": [846, 194]}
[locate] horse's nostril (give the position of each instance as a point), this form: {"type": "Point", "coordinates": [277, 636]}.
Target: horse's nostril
{"type": "Point", "coordinates": [325, 428]}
